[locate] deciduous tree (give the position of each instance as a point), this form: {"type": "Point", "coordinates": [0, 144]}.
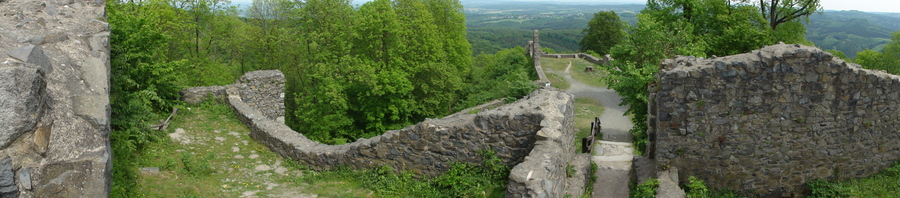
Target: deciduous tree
{"type": "Point", "coordinates": [604, 31]}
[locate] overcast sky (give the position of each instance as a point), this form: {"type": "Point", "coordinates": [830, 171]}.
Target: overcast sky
{"type": "Point", "coordinates": [861, 5]}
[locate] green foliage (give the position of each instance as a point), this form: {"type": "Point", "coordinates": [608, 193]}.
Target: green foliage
{"type": "Point", "coordinates": [851, 31]}
{"type": "Point", "coordinates": [646, 189]}
{"type": "Point", "coordinates": [487, 179]}
{"type": "Point", "coordinates": [822, 188]}
{"type": "Point", "coordinates": [604, 31]}
{"type": "Point", "coordinates": [884, 184]}
{"type": "Point", "coordinates": [507, 74]}
{"type": "Point", "coordinates": [637, 61]}
{"type": "Point", "coordinates": [196, 167]}
{"type": "Point", "coordinates": [142, 82]}
{"type": "Point", "coordinates": [839, 54]}
{"type": "Point", "coordinates": [695, 188]}
{"type": "Point", "coordinates": [887, 60]}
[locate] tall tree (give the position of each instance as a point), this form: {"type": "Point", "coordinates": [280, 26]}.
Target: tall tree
{"type": "Point", "coordinates": [604, 31]}
{"type": "Point", "coordinates": [778, 12]}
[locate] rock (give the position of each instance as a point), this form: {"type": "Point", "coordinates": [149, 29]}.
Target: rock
{"type": "Point", "coordinates": [22, 101]}
{"type": "Point", "coordinates": [25, 178]}
{"type": "Point", "coordinates": [33, 54]}
{"type": "Point", "coordinates": [668, 184]}
{"type": "Point", "coordinates": [150, 170]}
{"type": "Point", "coordinates": [8, 186]}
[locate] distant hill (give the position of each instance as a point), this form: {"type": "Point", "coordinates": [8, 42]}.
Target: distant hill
{"type": "Point", "coordinates": [852, 31]}
{"type": "Point", "coordinates": [493, 26]}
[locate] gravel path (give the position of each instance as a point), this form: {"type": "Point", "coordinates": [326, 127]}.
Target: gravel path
{"type": "Point", "coordinates": [614, 124]}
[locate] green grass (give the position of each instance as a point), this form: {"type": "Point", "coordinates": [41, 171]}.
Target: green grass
{"type": "Point", "coordinates": [558, 81]}
{"type": "Point", "coordinates": [577, 70]}
{"type": "Point", "coordinates": [884, 184]}
{"type": "Point", "coordinates": [216, 162]}
{"type": "Point", "coordinates": [585, 111]}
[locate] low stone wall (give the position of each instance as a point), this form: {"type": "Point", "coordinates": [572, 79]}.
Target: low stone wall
{"type": "Point", "coordinates": [264, 91]}
{"type": "Point", "coordinates": [590, 58]}
{"type": "Point", "coordinates": [768, 121]}
{"type": "Point", "coordinates": [534, 134]}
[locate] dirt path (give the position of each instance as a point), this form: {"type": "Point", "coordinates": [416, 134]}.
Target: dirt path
{"type": "Point", "coordinates": [614, 124]}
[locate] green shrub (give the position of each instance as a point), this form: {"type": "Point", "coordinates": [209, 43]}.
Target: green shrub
{"type": "Point", "coordinates": [695, 188]}
{"type": "Point", "coordinates": [822, 188]}
{"type": "Point", "coordinates": [645, 190]}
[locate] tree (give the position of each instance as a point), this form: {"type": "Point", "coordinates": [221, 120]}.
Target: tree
{"type": "Point", "coordinates": [604, 31]}
{"type": "Point", "coordinates": [637, 61]}
{"type": "Point", "coordinates": [888, 59]}
{"type": "Point", "coordinates": [727, 28]}
{"type": "Point", "coordinates": [778, 12]}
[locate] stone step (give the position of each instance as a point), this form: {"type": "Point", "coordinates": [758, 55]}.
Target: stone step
{"type": "Point", "coordinates": [613, 161]}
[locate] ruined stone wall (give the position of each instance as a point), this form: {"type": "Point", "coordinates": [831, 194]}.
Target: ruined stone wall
{"type": "Point", "coordinates": [54, 99]}
{"type": "Point", "coordinates": [264, 91]}
{"type": "Point", "coordinates": [535, 134]}
{"type": "Point", "coordinates": [261, 90]}
{"type": "Point", "coordinates": [590, 58]}
{"type": "Point", "coordinates": [768, 121]}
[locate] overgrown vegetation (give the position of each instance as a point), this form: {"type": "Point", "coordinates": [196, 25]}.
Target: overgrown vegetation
{"type": "Point", "coordinates": [884, 184]}
{"type": "Point", "coordinates": [646, 189]}
{"type": "Point", "coordinates": [487, 179]}
{"type": "Point", "coordinates": [696, 188]}
{"type": "Point", "coordinates": [888, 59]}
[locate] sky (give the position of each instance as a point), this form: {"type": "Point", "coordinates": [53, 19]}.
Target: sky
{"type": "Point", "coordinates": [861, 5]}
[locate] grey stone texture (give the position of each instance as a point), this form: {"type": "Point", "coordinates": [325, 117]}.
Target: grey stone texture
{"type": "Point", "coordinates": [768, 121]}
{"type": "Point", "coordinates": [54, 71]}
{"type": "Point", "coordinates": [264, 91]}
{"type": "Point", "coordinates": [533, 134]}
{"type": "Point", "coordinates": [195, 95]}
{"type": "Point", "coordinates": [22, 101]}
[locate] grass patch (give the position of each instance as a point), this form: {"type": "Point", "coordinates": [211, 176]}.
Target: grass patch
{"type": "Point", "coordinates": [215, 157]}
{"type": "Point", "coordinates": [558, 81]}
{"type": "Point", "coordinates": [884, 184]}
{"type": "Point", "coordinates": [577, 70]}
{"type": "Point", "coordinates": [585, 111]}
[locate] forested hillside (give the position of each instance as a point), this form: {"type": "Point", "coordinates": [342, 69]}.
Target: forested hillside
{"type": "Point", "coordinates": [851, 31]}
{"type": "Point", "coordinates": [499, 25]}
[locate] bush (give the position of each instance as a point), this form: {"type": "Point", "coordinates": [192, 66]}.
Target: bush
{"type": "Point", "coordinates": [645, 190]}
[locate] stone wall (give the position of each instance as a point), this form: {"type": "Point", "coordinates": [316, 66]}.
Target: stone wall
{"type": "Point", "coordinates": [534, 134]}
{"type": "Point", "coordinates": [768, 121]}
{"type": "Point", "coordinates": [590, 58]}
{"type": "Point", "coordinates": [54, 99]}
{"type": "Point", "coordinates": [264, 91]}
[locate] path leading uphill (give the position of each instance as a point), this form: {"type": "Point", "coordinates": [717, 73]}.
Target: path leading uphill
{"type": "Point", "coordinates": [613, 123]}
{"type": "Point", "coordinates": [615, 153]}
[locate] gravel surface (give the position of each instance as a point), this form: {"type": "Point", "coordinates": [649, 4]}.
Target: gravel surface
{"type": "Point", "coordinates": [614, 123]}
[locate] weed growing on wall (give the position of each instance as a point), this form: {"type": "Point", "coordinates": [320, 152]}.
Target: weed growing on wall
{"type": "Point", "coordinates": [645, 190]}
{"type": "Point", "coordinates": [884, 184]}
{"type": "Point", "coordinates": [487, 179]}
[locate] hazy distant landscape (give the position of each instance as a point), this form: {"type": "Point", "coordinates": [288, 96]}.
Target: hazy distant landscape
{"type": "Point", "coordinates": [493, 26]}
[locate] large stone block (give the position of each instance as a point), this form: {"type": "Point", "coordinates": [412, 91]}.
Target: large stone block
{"type": "Point", "coordinates": [22, 101]}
